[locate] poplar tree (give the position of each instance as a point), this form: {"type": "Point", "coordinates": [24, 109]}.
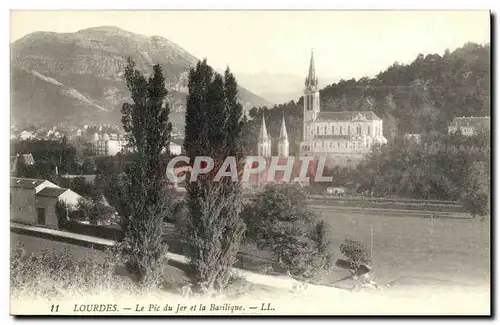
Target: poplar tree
{"type": "Point", "coordinates": [213, 128]}
{"type": "Point", "coordinates": [146, 123]}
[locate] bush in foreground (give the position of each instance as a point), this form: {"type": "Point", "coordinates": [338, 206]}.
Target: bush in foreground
{"type": "Point", "coordinates": [279, 220]}
{"type": "Point", "coordinates": [356, 253]}
{"type": "Point", "coordinates": [57, 273]}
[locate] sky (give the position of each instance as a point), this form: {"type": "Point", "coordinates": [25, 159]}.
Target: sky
{"type": "Point", "coordinates": [347, 44]}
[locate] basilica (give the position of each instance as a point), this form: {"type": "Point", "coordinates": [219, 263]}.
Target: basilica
{"type": "Point", "coordinates": [345, 136]}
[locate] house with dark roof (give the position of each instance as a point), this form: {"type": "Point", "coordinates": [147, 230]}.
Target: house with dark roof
{"type": "Point", "coordinates": [30, 183]}
{"type": "Point", "coordinates": [33, 201]}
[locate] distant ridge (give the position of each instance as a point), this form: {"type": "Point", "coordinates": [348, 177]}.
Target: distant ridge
{"type": "Point", "coordinates": [78, 77]}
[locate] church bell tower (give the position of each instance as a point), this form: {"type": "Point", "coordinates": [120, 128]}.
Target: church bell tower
{"type": "Point", "coordinates": [311, 104]}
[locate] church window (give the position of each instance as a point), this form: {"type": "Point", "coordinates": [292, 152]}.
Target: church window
{"type": "Point", "coordinates": [341, 130]}
{"type": "Point", "coordinates": [325, 129]}
{"type": "Point", "coordinates": [338, 144]}
{"type": "Point", "coordinates": [322, 144]}
{"type": "Point", "coordinates": [346, 144]}
{"type": "Point", "coordinates": [331, 144]}
{"type": "Point", "coordinates": [348, 129]}
{"type": "Point", "coordinates": [368, 130]}
{"type": "Point", "coordinates": [333, 129]}
{"type": "Point", "coordinates": [317, 130]}
{"type": "Point", "coordinates": [359, 129]}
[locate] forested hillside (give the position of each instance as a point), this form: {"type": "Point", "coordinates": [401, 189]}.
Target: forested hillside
{"type": "Point", "coordinates": [418, 97]}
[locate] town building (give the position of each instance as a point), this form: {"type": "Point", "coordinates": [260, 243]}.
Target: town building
{"type": "Point", "coordinates": [175, 148]}
{"type": "Point", "coordinates": [33, 201]}
{"type": "Point", "coordinates": [469, 126]}
{"type": "Point", "coordinates": [108, 145]}
{"type": "Point", "coordinates": [26, 159]}
{"type": "Point", "coordinates": [345, 136]}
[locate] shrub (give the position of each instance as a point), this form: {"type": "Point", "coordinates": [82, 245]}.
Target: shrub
{"type": "Point", "coordinates": [280, 220]}
{"type": "Point", "coordinates": [93, 211]}
{"type": "Point", "coordinates": [57, 273]}
{"type": "Point", "coordinates": [356, 253]}
{"type": "Point", "coordinates": [476, 194]}
{"type": "Point", "coordinates": [62, 214]}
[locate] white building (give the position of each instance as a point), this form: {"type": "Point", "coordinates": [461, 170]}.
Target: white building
{"type": "Point", "coordinates": [69, 197]}
{"type": "Point", "coordinates": [469, 126]}
{"type": "Point", "coordinates": [107, 145]}
{"type": "Point", "coordinates": [175, 148]}
{"type": "Point", "coordinates": [346, 137]}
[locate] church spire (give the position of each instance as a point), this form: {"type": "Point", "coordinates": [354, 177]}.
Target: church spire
{"type": "Point", "coordinates": [264, 145]}
{"type": "Point", "coordinates": [263, 130]}
{"type": "Point", "coordinates": [311, 77]}
{"type": "Point", "coordinates": [283, 140]}
{"type": "Point", "coordinates": [283, 133]}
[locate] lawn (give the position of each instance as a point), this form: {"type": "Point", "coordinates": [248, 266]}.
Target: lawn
{"type": "Point", "coordinates": [418, 265]}
{"type": "Point", "coordinates": [438, 250]}
{"type": "Point", "coordinates": [410, 250]}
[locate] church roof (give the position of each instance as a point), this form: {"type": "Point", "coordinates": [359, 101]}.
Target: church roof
{"type": "Point", "coordinates": [283, 133]}
{"type": "Point", "coordinates": [347, 116]}
{"type": "Point", "coordinates": [263, 130]}
{"type": "Point", "coordinates": [333, 137]}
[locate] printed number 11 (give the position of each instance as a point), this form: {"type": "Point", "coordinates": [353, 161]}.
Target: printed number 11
{"type": "Point", "coordinates": [54, 308]}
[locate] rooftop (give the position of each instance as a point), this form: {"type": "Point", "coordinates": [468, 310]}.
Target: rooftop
{"type": "Point", "coordinates": [347, 116]}
{"type": "Point", "coordinates": [28, 183]}
{"type": "Point", "coordinates": [52, 191]}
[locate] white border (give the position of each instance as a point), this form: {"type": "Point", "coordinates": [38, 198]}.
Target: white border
{"type": "Point", "coordinates": [199, 4]}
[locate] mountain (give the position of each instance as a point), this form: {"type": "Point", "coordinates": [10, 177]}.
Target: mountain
{"type": "Point", "coordinates": [78, 77]}
{"type": "Point", "coordinates": [276, 88]}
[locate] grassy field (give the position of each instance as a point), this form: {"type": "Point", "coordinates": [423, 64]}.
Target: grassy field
{"type": "Point", "coordinates": [410, 250]}
{"type": "Point", "coordinates": [439, 265]}
{"type": "Point", "coordinates": [420, 250]}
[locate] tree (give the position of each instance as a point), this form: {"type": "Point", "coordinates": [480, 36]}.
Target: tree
{"type": "Point", "coordinates": [213, 128]}
{"type": "Point", "coordinates": [280, 220]}
{"type": "Point", "coordinates": [89, 166]}
{"type": "Point", "coordinates": [356, 253]}
{"type": "Point", "coordinates": [62, 214]}
{"type": "Point", "coordinates": [476, 194]}
{"type": "Point", "coordinates": [146, 123]}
